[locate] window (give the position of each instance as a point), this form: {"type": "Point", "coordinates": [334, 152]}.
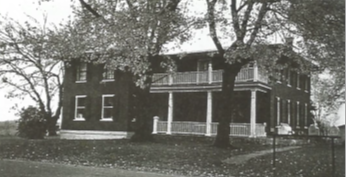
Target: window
{"type": "Point", "coordinates": [306, 115]}
{"type": "Point", "coordinates": [278, 110]}
{"type": "Point", "coordinates": [82, 72]}
{"type": "Point", "coordinates": [298, 112]}
{"type": "Point", "coordinates": [203, 65]}
{"type": "Point", "coordinates": [80, 107]}
{"type": "Point", "coordinates": [298, 81]}
{"type": "Point", "coordinates": [288, 77]}
{"type": "Point", "coordinates": [107, 107]}
{"type": "Point", "coordinates": [108, 74]}
{"type": "Point", "coordinates": [289, 112]}
{"type": "Point", "coordinates": [293, 81]}
{"type": "Point", "coordinates": [307, 83]}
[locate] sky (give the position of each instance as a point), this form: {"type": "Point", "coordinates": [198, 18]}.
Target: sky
{"type": "Point", "coordinates": [57, 11]}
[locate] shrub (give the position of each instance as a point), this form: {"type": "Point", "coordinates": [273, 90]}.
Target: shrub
{"type": "Point", "coordinates": [31, 123]}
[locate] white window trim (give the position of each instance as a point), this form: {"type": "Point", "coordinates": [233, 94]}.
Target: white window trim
{"type": "Point", "coordinates": [306, 115]}
{"type": "Point", "coordinates": [278, 110]}
{"type": "Point", "coordinates": [76, 107]}
{"type": "Point", "coordinates": [105, 79]}
{"type": "Point", "coordinates": [298, 116]}
{"type": "Point", "coordinates": [288, 77]}
{"type": "Point", "coordinates": [86, 76]}
{"type": "Point", "coordinates": [103, 106]}
{"type": "Point", "coordinates": [289, 112]}
{"type": "Point", "coordinates": [298, 81]}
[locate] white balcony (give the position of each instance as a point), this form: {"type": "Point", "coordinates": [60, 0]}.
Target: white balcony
{"type": "Point", "coordinates": [206, 77]}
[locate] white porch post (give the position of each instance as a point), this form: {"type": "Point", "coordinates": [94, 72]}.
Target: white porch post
{"type": "Point", "coordinates": [210, 72]}
{"type": "Point", "coordinates": [253, 114]}
{"type": "Point", "coordinates": [255, 72]}
{"type": "Point", "coordinates": [209, 113]}
{"type": "Point", "coordinates": [170, 113]}
{"type": "Point", "coordinates": [156, 120]}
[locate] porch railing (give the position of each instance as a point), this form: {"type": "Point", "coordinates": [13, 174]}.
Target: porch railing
{"type": "Point", "coordinates": [199, 128]}
{"type": "Point", "coordinates": [204, 77]}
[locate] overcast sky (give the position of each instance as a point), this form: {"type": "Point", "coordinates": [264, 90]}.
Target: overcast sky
{"type": "Point", "coordinates": [19, 9]}
{"type": "Point", "coordinates": [58, 10]}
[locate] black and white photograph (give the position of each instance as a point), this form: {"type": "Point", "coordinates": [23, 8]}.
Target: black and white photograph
{"type": "Point", "coordinates": [172, 88]}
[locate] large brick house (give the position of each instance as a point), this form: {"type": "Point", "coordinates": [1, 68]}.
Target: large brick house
{"type": "Point", "coordinates": [97, 102]}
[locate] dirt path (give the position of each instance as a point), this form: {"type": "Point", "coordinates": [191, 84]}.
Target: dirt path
{"type": "Point", "coordinates": [245, 157]}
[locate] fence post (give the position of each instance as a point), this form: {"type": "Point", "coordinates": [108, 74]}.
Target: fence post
{"type": "Point", "coordinates": [333, 158]}
{"type": "Point", "coordinates": [274, 150]}
{"type": "Point", "coordinates": [156, 120]}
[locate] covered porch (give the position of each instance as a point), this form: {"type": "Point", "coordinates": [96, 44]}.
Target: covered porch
{"type": "Point", "coordinates": [195, 113]}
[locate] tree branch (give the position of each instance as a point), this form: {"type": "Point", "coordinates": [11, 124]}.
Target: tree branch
{"type": "Point", "coordinates": [212, 26]}
{"type": "Point", "coordinates": [258, 23]}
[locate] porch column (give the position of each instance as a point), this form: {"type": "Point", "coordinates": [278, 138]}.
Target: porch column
{"type": "Point", "coordinates": [156, 120]}
{"type": "Point", "coordinates": [255, 71]}
{"type": "Point", "coordinates": [253, 114]}
{"type": "Point", "coordinates": [170, 113]}
{"type": "Point", "coordinates": [209, 113]}
{"type": "Point", "coordinates": [210, 72]}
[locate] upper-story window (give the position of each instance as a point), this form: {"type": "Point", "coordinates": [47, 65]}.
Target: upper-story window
{"type": "Point", "coordinates": [81, 72]}
{"type": "Point", "coordinates": [289, 77]}
{"type": "Point", "coordinates": [307, 83]}
{"type": "Point", "coordinates": [80, 107]}
{"type": "Point", "coordinates": [203, 65]}
{"type": "Point", "coordinates": [298, 81]}
{"type": "Point", "coordinates": [108, 74]}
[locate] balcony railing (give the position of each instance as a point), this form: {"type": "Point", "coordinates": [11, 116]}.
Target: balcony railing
{"type": "Point", "coordinates": [199, 128]}
{"type": "Point", "coordinates": [205, 77]}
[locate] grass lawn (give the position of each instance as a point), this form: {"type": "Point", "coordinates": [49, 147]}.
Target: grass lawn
{"type": "Point", "coordinates": [191, 156]}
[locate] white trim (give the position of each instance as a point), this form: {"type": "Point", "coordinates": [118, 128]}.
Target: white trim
{"type": "Point", "coordinates": [94, 134]}
{"type": "Point", "coordinates": [209, 113]}
{"type": "Point", "coordinates": [298, 114]}
{"type": "Point", "coordinates": [108, 107]}
{"type": "Point", "coordinates": [107, 80]}
{"type": "Point", "coordinates": [306, 115]}
{"type": "Point", "coordinates": [76, 118]}
{"type": "Point", "coordinates": [278, 110]}
{"type": "Point", "coordinates": [79, 70]}
{"type": "Point", "coordinates": [170, 112]}
{"type": "Point", "coordinates": [289, 112]}
{"type": "Point", "coordinates": [253, 111]}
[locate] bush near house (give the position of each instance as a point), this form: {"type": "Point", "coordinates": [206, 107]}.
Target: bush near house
{"type": "Point", "coordinates": [31, 124]}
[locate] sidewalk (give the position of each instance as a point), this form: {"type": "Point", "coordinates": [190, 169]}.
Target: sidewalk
{"type": "Point", "coordinates": [16, 168]}
{"type": "Point", "coordinates": [239, 159]}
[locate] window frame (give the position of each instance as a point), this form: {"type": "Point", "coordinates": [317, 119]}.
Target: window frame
{"type": "Point", "coordinates": [106, 73]}
{"type": "Point", "coordinates": [106, 107]}
{"type": "Point", "coordinates": [288, 78]}
{"type": "Point", "coordinates": [298, 81]}
{"type": "Point", "coordinates": [298, 115]}
{"type": "Point", "coordinates": [306, 115]}
{"type": "Point", "coordinates": [76, 118]}
{"type": "Point", "coordinates": [278, 111]}
{"type": "Point", "coordinates": [80, 70]}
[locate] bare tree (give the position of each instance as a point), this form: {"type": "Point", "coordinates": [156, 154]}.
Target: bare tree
{"type": "Point", "coordinates": [29, 69]}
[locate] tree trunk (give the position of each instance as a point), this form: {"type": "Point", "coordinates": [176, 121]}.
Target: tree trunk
{"type": "Point", "coordinates": [51, 126]}
{"type": "Point", "coordinates": [142, 113]}
{"type": "Point", "coordinates": [222, 138]}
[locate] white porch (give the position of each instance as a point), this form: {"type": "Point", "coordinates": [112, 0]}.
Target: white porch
{"type": "Point", "coordinates": [201, 128]}
{"type": "Point", "coordinates": [250, 128]}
